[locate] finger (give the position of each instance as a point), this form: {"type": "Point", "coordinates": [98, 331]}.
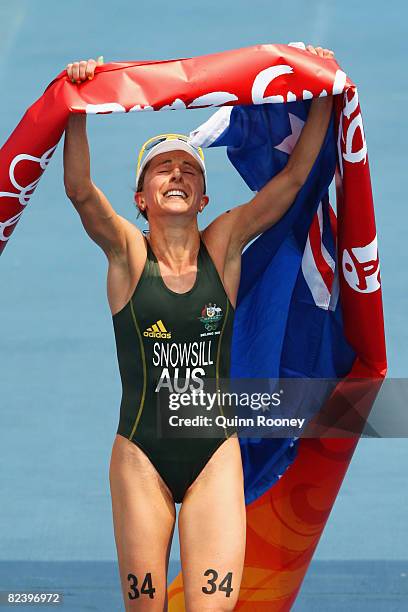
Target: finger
{"type": "Point", "coordinates": [75, 71]}
{"type": "Point", "coordinates": [90, 68]}
{"type": "Point", "coordinates": [329, 53]}
{"type": "Point", "coordinates": [82, 70]}
{"type": "Point", "coordinates": [69, 71]}
{"type": "Point", "coordinates": [319, 51]}
{"type": "Point", "coordinates": [311, 49]}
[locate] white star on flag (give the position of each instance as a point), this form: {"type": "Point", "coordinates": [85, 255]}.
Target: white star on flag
{"type": "Point", "coordinates": [287, 145]}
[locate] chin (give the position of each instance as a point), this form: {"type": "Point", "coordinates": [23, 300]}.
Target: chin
{"type": "Point", "coordinates": [177, 208]}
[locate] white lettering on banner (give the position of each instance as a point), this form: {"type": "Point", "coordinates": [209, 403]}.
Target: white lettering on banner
{"type": "Point", "coordinates": [298, 44]}
{"type": "Point", "coordinates": [355, 156]}
{"type": "Point", "coordinates": [176, 105]}
{"type": "Point", "coordinates": [350, 105]}
{"type": "Point", "coordinates": [361, 267]}
{"type": "Point", "coordinates": [107, 107]}
{"type": "Point", "coordinates": [340, 141]}
{"type": "Point", "coordinates": [216, 98]}
{"type": "Point", "coordinates": [138, 107]}
{"type": "Point", "coordinates": [8, 223]}
{"type": "Point", "coordinates": [24, 193]}
{"type": "Point", "coordinates": [339, 82]}
{"type": "Point", "coordinates": [264, 79]}
{"type": "Point", "coordinates": [345, 145]}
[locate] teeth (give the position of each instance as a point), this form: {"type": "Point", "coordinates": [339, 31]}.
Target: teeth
{"type": "Point", "coordinates": [175, 192]}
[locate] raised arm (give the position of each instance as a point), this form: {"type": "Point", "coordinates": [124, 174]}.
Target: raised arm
{"type": "Point", "coordinates": [276, 197]}
{"type": "Point", "coordinates": [245, 222]}
{"type": "Point", "coordinates": [98, 217]}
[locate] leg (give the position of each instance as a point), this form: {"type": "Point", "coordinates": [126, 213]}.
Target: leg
{"type": "Point", "coordinates": [212, 528]}
{"type": "Point", "coordinates": [144, 517]}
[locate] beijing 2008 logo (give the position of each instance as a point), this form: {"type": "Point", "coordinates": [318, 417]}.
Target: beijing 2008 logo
{"type": "Point", "coordinates": [211, 315]}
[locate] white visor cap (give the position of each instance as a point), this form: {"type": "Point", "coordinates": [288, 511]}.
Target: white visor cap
{"type": "Point", "coordinates": [172, 145]}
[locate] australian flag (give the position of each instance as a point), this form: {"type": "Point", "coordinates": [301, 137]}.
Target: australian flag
{"type": "Point", "coordinates": [288, 321]}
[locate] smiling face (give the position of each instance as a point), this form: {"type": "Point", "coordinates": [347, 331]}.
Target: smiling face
{"type": "Point", "coordinates": [173, 184]}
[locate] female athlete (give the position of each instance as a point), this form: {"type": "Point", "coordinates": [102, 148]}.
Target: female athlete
{"type": "Point", "coordinates": [172, 295]}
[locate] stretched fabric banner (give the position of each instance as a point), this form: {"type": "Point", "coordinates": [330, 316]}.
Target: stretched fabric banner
{"type": "Point", "coordinates": [327, 300]}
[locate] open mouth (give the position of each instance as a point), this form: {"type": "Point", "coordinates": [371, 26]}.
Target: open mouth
{"type": "Point", "coordinates": [175, 193]}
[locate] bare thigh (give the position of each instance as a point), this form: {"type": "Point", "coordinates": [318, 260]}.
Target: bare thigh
{"type": "Point", "coordinates": [212, 529]}
{"type": "Point", "coordinates": [143, 517]}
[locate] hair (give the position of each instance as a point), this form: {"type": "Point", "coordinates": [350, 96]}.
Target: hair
{"type": "Point", "coordinates": [139, 187]}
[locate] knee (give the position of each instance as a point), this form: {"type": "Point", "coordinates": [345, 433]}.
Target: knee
{"type": "Point", "coordinates": [198, 604]}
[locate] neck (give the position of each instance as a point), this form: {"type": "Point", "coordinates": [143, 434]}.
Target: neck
{"type": "Point", "coordinates": [175, 242]}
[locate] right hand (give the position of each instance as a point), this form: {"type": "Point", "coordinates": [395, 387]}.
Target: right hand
{"type": "Point", "coordinates": [84, 70]}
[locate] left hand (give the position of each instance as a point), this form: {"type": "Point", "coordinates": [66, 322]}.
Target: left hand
{"type": "Point", "coordinates": [325, 53]}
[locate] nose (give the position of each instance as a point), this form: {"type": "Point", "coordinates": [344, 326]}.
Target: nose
{"type": "Point", "coordinates": [176, 172]}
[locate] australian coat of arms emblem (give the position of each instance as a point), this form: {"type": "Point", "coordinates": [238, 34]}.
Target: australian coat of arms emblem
{"type": "Point", "coordinates": [211, 316]}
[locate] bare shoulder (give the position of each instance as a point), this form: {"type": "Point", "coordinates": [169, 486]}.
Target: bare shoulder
{"type": "Point", "coordinates": [220, 236]}
{"type": "Point", "coordinates": [135, 252]}
{"type": "Point", "coordinates": [125, 271]}
{"type": "Point", "coordinates": [129, 227]}
{"type": "Point", "coordinates": [225, 251]}
{"type": "Point", "coordinates": [134, 237]}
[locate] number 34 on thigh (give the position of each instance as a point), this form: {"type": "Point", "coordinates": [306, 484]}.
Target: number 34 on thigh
{"type": "Point", "coordinates": [146, 588]}
{"type": "Point", "coordinates": [215, 583]}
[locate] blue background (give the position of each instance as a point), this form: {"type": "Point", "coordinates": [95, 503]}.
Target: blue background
{"type": "Point", "coordinates": [59, 381]}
